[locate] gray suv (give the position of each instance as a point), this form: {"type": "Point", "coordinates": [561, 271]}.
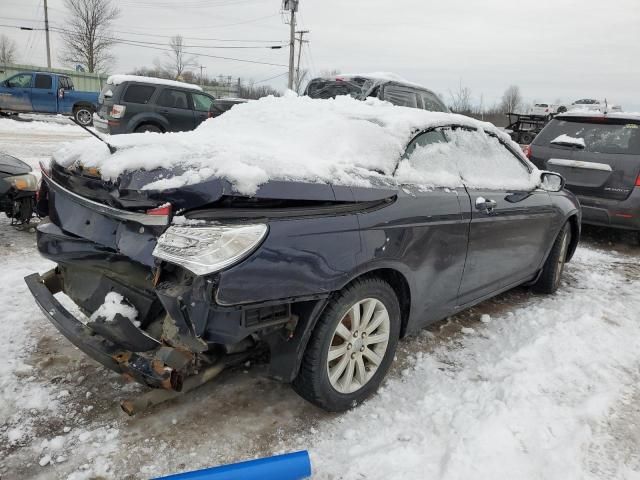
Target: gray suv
{"type": "Point", "coordinates": [599, 156]}
{"type": "Point", "coordinates": [129, 104]}
{"type": "Point", "coordinates": [387, 87]}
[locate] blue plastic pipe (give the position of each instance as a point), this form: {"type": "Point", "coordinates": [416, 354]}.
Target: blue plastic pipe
{"type": "Point", "coordinates": [291, 466]}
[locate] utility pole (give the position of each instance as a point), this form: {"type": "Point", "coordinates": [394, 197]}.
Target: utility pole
{"type": "Point", "coordinates": [300, 42]}
{"type": "Point", "coordinates": [46, 29]}
{"type": "Point", "coordinates": [202, 67]}
{"type": "Point", "coordinates": [292, 6]}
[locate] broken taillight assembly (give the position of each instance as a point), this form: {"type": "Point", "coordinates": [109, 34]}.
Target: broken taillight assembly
{"type": "Point", "coordinates": [162, 210]}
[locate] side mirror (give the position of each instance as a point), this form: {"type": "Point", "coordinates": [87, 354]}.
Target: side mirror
{"type": "Point", "coordinates": [551, 181]}
{"type": "Point", "coordinates": [61, 93]}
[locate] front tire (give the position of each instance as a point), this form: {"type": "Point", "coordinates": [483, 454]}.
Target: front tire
{"type": "Point", "coordinates": [352, 346]}
{"type": "Point", "coordinates": [551, 275]}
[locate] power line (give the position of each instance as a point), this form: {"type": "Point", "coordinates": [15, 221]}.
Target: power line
{"type": "Point", "coordinates": [271, 78]}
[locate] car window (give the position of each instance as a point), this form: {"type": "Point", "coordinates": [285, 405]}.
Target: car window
{"type": "Point", "coordinates": [43, 81]}
{"type": "Point", "coordinates": [173, 99]}
{"type": "Point", "coordinates": [201, 102]}
{"type": "Point", "coordinates": [428, 162]}
{"type": "Point", "coordinates": [138, 93]}
{"type": "Point", "coordinates": [401, 96]}
{"type": "Point", "coordinates": [69, 83]}
{"type": "Point", "coordinates": [483, 161]}
{"type": "Point", "coordinates": [62, 83]}
{"type": "Point", "coordinates": [22, 80]}
{"type": "Point", "coordinates": [431, 103]}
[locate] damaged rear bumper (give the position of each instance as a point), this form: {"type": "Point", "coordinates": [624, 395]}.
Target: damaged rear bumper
{"type": "Point", "coordinates": [148, 369]}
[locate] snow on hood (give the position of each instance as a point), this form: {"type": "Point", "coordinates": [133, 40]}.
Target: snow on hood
{"type": "Point", "coordinates": [339, 141]}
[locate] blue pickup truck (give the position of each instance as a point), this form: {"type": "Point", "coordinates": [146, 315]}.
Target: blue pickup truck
{"type": "Point", "coordinates": [42, 92]}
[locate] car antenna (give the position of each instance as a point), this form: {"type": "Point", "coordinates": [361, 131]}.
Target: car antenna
{"type": "Point", "coordinates": [111, 148]}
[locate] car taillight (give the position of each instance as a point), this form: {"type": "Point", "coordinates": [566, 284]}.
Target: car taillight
{"type": "Point", "coordinates": [527, 151]}
{"type": "Point", "coordinates": [162, 210]}
{"type": "Point", "coordinates": [117, 111]}
{"type": "Point", "coordinates": [638, 181]}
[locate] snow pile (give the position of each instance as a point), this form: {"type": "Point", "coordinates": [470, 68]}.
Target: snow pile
{"type": "Point", "coordinates": [40, 125]}
{"type": "Point", "coordinates": [568, 140]}
{"type": "Point", "coordinates": [115, 304]}
{"type": "Point", "coordinates": [528, 396]}
{"type": "Point", "coordinates": [340, 141]}
{"type": "Point", "coordinates": [118, 79]}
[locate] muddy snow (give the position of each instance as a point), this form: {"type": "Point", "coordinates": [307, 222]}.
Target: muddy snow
{"type": "Point", "coordinates": [522, 386]}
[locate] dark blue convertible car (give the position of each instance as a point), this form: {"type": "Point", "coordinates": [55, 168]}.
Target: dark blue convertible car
{"type": "Point", "coordinates": [186, 266]}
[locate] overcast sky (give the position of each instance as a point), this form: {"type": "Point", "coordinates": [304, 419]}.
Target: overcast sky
{"type": "Point", "coordinates": [552, 49]}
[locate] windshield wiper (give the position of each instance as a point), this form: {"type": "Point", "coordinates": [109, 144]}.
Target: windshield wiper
{"type": "Point", "coordinates": [112, 149]}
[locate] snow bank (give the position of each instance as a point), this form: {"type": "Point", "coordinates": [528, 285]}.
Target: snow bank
{"type": "Point", "coordinates": [527, 396]}
{"type": "Point", "coordinates": [566, 139]}
{"type": "Point", "coordinates": [339, 141]}
{"type": "Point", "coordinates": [118, 79]}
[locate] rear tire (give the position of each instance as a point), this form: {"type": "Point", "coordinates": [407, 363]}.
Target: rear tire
{"type": "Point", "coordinates": [358, 362]}
{"type": "Point", "coordinates": [526, 138]}
{"type": "Point", "coordinates": [83, 115]}
{"type": "Point", "coordinates": [148, 128]}
{"type": "Point", "coordinates": [551, 275]}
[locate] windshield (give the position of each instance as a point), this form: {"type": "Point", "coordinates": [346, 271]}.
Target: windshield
{"type": "Point", "coordinates": [620, 137]}
{"type": "Point", "coordinates": [329, 88]}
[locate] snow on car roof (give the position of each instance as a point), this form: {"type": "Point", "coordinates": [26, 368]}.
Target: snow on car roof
{"type": "Point", "coordinates": [340, 141]}
{"type": "Point", "coordinates": [118, 79]}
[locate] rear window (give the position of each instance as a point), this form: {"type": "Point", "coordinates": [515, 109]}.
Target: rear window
{"type": "Point", "coordinates": [615, 138]}
{"type": "Point", "coordinates": [138, 93]}
{"type": "Point", "coordinates": [544, 105]}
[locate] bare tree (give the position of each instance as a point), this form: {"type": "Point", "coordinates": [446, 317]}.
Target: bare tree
{"type": "Point", "coordinates": [8, 50]}
{"type": "Point", "coordinates": [511, 99]}
{"type": "Point", "coordinates": [300, 81]}
{"type": "Point", "coordinates": [86, 37]}
{"type": "Point", "coordinates": [177, 60]}
{"type": "Point", "coordinates": [461, 99]}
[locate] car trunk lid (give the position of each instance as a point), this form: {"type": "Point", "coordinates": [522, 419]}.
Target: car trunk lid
{"type": "Point", "coordinates": [599, 156]}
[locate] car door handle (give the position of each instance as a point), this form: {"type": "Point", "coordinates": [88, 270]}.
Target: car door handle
{"type": "Point", "coordinates": [164, 111]}
{"type": "Point", "coordinates": [485, 205]}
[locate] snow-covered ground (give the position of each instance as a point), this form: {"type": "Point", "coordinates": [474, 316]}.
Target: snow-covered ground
{"type": "Point", "coordinates": [521, 386]}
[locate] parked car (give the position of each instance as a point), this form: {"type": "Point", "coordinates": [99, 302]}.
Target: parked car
{"type": "Point", "coordinates": [222, 105]}
{"type": "Point", "coordinates": [599, 155]}
{"type": "Point", "coordinates": [44, 92]}
{"type": "Point", "coordinates": [323, 242]}
{"type": "Point", "coordinates": [591, 104]}
{"type": "Point", "coordinates": [134, 104]}
{"type": "Point", "coordinates": [18, 188]}
{"type": "Point", "coordinates": [384, 86]}
{"type": "Point", "coordinates": [546, 110]}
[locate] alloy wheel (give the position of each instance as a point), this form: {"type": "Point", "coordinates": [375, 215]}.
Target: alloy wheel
{"type": "Point", "coordinates": [84, 116]}
{"type": "Point", "coordinates": [358, 345]}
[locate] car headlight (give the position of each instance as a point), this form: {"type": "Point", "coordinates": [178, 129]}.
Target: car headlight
{"type": "Point", "coordinates": [207, 249]}
{"type": "Point", "coordinates": [26, 182]}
